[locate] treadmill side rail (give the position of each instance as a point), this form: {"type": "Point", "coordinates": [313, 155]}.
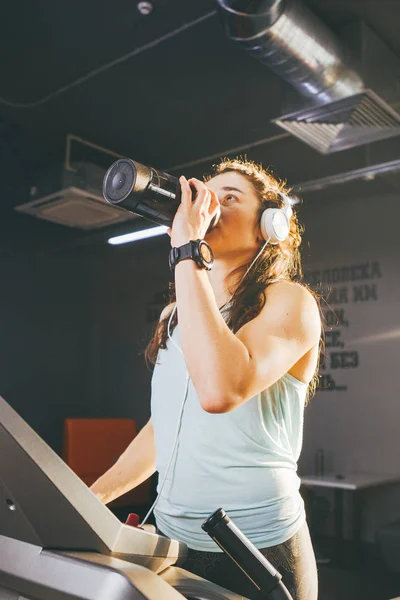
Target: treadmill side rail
{"type": "Point", "coordinates": [47, 575]}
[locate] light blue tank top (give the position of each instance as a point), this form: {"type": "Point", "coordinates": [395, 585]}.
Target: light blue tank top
{"type": "Point", "coordinates": [243, 461]}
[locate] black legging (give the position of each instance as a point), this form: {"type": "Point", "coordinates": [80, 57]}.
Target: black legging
{"type": "Point", "coordinates": [294, 560]}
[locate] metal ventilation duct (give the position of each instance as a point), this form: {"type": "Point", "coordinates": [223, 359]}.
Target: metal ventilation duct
{"type": "Point", "coordinates": [345, 108]}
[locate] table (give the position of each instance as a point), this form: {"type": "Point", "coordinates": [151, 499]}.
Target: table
{"type": "Point", "coordinates": [350, 482]}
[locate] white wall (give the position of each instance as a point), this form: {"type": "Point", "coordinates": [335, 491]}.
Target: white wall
{"type": "Point", "coordinates": [359, 426]}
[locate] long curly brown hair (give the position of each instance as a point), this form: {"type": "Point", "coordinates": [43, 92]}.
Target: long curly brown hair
{"type": "Point", "coordinates": [281, 261]}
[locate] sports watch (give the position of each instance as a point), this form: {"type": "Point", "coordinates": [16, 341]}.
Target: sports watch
{"type": "Point", "coordinates": [197, 250]}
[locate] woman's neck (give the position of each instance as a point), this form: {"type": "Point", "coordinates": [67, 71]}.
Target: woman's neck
{"type": "Point", "coordinates": [222, 284]}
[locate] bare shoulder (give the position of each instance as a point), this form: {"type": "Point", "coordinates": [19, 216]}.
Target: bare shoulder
{"type": "Point", "coordinates": [290, 291]}
{"type": "Point", "coordinates": [166, 311]}
{"type": "Point", "coordinates": [291, 301]}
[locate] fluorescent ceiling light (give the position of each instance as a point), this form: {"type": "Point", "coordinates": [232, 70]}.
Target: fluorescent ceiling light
{"type": "Point", "coordinates": [137, 235]}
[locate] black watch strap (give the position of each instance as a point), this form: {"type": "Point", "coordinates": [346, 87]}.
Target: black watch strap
{"type": "Point", "coordinates": [193, 251]}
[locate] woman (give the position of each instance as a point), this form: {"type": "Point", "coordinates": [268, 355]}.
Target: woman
{"type": "Point", "coordinates": [229, 387]}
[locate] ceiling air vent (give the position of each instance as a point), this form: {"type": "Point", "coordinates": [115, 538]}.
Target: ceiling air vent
{"type": "Point", "coordinates": [75, 208]}
{"type": "Point", "coordinates": [73, 197]}
{"type": "Point", "coordinates": [349, 122]}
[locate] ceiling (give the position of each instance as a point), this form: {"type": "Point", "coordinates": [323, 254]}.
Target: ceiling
{"type": "Point", "coordinates": [181, 96]}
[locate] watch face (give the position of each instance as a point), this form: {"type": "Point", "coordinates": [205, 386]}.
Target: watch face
{"type": "Point", "coordinates": [205, 253]}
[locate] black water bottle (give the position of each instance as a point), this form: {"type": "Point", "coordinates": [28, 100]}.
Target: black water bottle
{"type": "Point", "coordinates": [145, 191]}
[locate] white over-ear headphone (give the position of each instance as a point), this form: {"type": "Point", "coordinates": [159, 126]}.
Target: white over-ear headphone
{"type": "Point", "coordinates": [275, 222]}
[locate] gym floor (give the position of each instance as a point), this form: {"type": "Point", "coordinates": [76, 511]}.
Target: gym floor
{"type": "Point", "coordinates": [368, 580]}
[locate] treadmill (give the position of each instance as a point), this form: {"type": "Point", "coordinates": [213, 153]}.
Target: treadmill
{"type": "Point", "coordinates": [59, 542]}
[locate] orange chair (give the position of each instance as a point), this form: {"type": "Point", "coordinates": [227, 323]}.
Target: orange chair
{"type": "Point", "coordinates": [91, 446]}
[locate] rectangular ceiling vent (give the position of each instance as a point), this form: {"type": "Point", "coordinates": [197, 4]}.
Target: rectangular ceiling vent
{"type": "Point", "coordinates": [349, 122]}
{"type": "Point", "coordinates": [75, 208]}
{"type": "Point", "coordinates": [73, 197]}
